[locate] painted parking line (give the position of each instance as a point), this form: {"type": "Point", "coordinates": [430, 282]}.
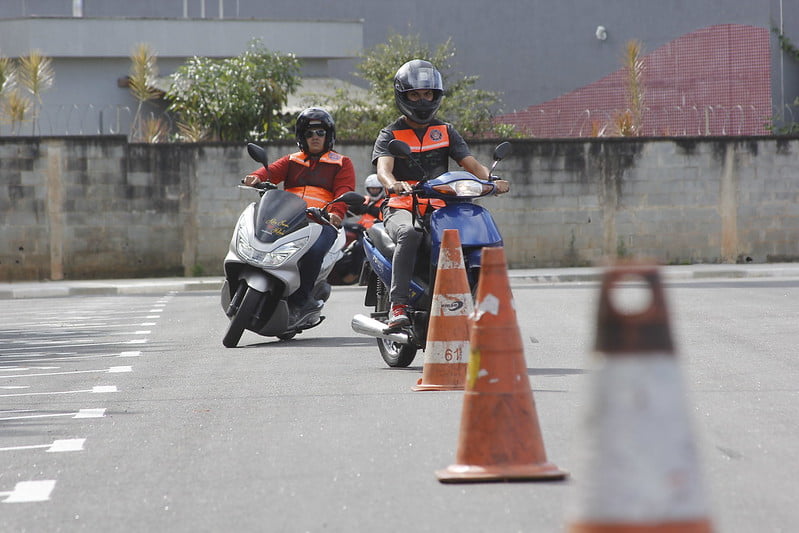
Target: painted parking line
{"type": "Point", "coordinates": [130, 354]}
{"type": "Point", "coordinates": [82, 413]}
{"type": "Point", "coordinates": [57, 446]}
{"type": "Point", "coordinates": [91, 413]}
{"type": "Point", "coordinates": [94, 390]}
{"type": "Point", "coordinates": [113, 369]}
{"type": "Point", "coordinates": [23, 368]}
{"type": "Point", "coordinates": [30, 491]}
{"type": "Point", "coordinates": [71, 344]}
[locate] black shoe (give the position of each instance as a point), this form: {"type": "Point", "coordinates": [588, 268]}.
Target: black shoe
{"type": "Point", "coordinates": [298, 314]}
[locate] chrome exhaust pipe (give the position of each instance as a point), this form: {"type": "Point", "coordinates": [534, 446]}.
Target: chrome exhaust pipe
{"type": "Point", "coordinates": [374, 328]}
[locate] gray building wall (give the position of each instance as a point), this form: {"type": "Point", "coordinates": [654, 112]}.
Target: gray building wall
{"type": "Point", "coordinates": [94, 207]}
{"type": "Point", "coordinates": [529, 50]}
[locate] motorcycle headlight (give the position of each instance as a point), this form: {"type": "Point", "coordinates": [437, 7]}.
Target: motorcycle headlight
{"type": "Point", "coordinates": [260, 258]}
{"type": "Point", "coordinates": [464, 188]}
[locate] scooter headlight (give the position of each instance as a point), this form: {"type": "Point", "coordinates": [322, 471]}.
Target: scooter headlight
{"type": "Point", "coordinates": [464, 188]}
{"type": "Point", "coordinates": [276, 257]}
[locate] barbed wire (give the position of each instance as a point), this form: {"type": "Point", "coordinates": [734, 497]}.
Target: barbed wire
{"type": "Point", "coordinates": [691, 120]}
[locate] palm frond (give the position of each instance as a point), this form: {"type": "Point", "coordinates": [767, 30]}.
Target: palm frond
{"type": "Point", "coordinates": [36, 73]}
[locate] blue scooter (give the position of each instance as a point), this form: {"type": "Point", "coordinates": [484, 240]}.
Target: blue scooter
{"type": "Point", "coordinates": [476, 229]}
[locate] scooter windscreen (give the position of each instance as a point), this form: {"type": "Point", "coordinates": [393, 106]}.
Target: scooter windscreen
{"type": "Point", "coordinates": [279, 213]}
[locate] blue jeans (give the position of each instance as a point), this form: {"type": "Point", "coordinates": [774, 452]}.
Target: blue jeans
{"type": "Point", "coordinates": [311, 264]}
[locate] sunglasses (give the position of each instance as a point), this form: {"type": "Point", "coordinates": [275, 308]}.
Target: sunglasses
{"type": "Point", "coordinates": [319, 133]}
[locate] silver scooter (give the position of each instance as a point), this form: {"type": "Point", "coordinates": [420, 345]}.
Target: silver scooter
{"type": "Point", "coordinates": [261, 266]}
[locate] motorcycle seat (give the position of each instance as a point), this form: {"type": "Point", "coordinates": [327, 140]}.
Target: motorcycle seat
{"type": "Point", "coordinates": [377, 234]}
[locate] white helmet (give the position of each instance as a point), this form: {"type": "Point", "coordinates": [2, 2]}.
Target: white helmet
{"type": "Point", "coordinates": [373, 187]}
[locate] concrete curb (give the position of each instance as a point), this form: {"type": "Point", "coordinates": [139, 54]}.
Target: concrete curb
{"type": "Point", "coordinates": [59, 289]}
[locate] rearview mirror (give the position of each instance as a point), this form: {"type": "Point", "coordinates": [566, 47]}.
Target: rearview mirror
{"type": "Point", "coordinates": [399, 148]}
{"type": "Point", "coordinates": [502, 151]}
{"type": "Point", "coordinates": [257, 153]}
{"type": "Point", "coordinates": [351, 198]}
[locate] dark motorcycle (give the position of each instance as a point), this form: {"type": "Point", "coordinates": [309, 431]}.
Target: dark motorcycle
{"type": "Point", "coordinates": [476, 229]}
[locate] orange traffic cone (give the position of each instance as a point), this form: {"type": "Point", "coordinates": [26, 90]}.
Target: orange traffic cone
{"type": "Point", "coordinates": [447, 349]}
{"type": "Point", "coordinates": [639, 472]}
{"type": "Point", "coordinates": [500, 438]}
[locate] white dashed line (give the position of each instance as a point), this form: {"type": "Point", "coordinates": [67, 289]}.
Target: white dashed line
{"type": "Point", "coordinates": [30, 491]}
{"type": "Point", "coordinates": [90, 413]}
{"type": "Point", "coordinates": [96, 389]}
{"type": "Point", "coordinates": [66, 445]}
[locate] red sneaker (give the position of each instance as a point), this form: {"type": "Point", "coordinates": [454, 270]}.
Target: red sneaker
{"type": "Point", "coordinates": [398, 316]}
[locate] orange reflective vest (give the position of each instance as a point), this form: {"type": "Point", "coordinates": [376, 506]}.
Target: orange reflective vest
{"type": "Point", "coordinates": [435, 138]}
{"type": "Point", "coordinates": [314, 196]}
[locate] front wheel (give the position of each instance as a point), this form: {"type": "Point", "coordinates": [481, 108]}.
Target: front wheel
{"type": "Point", "coordinates": [242, 316]}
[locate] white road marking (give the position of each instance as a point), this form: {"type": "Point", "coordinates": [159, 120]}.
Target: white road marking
{"type": "Point", "coordinates": [130, 354]}
{"type": "Point", "coordinates": [147, 324]}
{"type": "Point", "coordinates": [59, 445]}
{"type": "Point", "coordinates": [112, 369]}
{"type": "Point", "coordinates": [30, 491]}
{"type": "Point", "coordinates": [66, 445]}
{"type": "Point", "coordinates": [137, 341]}
{"type": "Point", "coordinates": [96, 389]}
{"type": "Point", "coordinates": [82, 413]}
{"type": "Point", "coordinates": [90, 413]}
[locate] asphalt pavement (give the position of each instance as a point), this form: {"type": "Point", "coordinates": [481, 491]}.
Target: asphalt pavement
{"type": "Point", "coordinates": [62, 288]}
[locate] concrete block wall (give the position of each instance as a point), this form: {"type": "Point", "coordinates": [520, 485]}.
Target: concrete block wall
{"type": "Point", "coordinates": [95, 207]}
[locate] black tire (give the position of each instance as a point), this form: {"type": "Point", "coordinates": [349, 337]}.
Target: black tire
{"type": "Point", "coordinates": [241, 318]}
{"type": "Point", "coordinates": [474, 281]}
{"type": "Point", "coordinates": [395, 355]}
{"type": "Point", "coordinates": [287, 336]}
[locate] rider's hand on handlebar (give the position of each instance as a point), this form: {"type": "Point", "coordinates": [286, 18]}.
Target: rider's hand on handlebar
{"type": "Point", "coordinates": [335, 220]}
{"type": "Point", "coordinates": [399, 187]}
{"type": "Point", "coordinates": [251, 180]}
{"type": "Point", "coordinates": [502, 186]}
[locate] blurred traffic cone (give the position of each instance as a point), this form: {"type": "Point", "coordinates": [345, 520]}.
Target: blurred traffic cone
{"type": "Point", "coordinates": [447, 349]}
{"type": "Point", "coordinates": [500, 438]}
{"type": "Point", "coordinates": [639, 470]}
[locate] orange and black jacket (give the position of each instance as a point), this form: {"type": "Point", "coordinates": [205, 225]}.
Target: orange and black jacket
{"type": "Point", "coordinates": [317, 180]}
{"type": "Point", "coordinates": [432, 147]}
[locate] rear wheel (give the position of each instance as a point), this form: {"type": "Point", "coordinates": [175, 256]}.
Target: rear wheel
{"type": "Point", "coordinates": [395, 355]}
{"type": "Point", "coordinates": [242, 316]}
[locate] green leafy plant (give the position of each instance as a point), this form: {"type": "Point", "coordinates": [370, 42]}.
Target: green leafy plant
{"type": "Point", "coordinates": [776, 124]}
{"type": "Point", "coordinates": [235, 99]}
{"type": "Point", "coordinates": [468, 108]}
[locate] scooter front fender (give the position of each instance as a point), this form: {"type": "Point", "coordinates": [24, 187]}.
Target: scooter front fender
{"type": "Point", "coordinates": [475, 225]}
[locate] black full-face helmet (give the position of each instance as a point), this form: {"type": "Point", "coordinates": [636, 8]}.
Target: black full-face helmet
{"type": "Point", "coordinates": [415, 75]}
{"type": "Point", "coordinates": [313, 118]}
